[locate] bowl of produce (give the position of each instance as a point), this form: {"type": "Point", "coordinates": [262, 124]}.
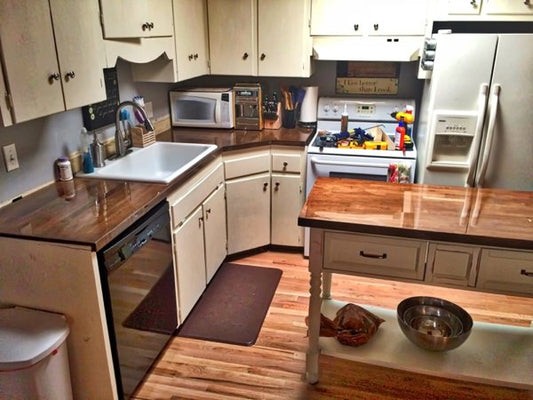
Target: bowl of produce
{"type": "Point", "coordinates": [434, 324]}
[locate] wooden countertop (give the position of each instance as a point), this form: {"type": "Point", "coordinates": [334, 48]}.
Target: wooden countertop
{"type": "Point", "coordinates": [93, 212]}
{"type": "Point", "coordinates": [491, 217]}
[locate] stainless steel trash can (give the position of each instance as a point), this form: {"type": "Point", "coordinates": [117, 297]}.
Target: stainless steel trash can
{"type": "Point", "coordinates": [33, 355]}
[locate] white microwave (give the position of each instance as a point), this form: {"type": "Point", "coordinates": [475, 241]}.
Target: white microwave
{"type": "Point", "coordinates": [202, 107]}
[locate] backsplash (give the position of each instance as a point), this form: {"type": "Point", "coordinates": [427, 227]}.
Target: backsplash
{"type": "Point", "coordinates": [40, 142]}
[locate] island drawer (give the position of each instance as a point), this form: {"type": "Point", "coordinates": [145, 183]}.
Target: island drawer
{"type": "Point", "coordinates": [506, 271]}
{"type": "Point", "coordinates": [375, 255]}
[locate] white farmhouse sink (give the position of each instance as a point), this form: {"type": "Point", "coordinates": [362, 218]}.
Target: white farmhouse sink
{"type": "Point", "coordinates": [160, 162]}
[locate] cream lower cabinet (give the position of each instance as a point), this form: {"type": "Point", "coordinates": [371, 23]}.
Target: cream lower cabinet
{"type": "Point", "coordinates": [287, 196]}
{"type": "Point", "coordinates": [50, 67]}
{"type": "Point", "coordinates": [247, 175]}
{"type": "Point", "coordinates": [248, 212]}
{"type": "Point", "coordinates": [199, 236]}
{"type": "Point", "coordinates": [64, 278]}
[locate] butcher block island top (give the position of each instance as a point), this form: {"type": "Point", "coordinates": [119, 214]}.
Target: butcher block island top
{"type": "Point", "coordinates": [463, 238]}
{"type": "Point", "coordinates": [490, 217]}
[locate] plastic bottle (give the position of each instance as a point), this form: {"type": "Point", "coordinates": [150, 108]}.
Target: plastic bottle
{"type": "Point", "coordinates": [399, 136]}
{"type": "Point", "coordinates": [344, 119]}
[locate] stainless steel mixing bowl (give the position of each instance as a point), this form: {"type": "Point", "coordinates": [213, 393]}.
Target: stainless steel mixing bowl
{"type": "Point", "coordinates": [434, 324]}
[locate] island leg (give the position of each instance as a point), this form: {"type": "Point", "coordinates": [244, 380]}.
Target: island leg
{"type": "Point", "coordinates": [313, 351]}
{"type": "Point", "coordinates": [315, 305]}
{"type": "Point", "coordinates": [326, 285]}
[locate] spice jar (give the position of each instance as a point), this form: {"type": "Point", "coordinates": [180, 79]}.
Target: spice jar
{"type": "Point", "coordinates": [65, 169]}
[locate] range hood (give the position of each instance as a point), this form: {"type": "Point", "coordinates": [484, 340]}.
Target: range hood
{"type": "Point", "coordinates": [367, 48]}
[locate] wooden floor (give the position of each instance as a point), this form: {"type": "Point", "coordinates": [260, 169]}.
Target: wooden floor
{"type": "Point", "coordinates": [273, 368]}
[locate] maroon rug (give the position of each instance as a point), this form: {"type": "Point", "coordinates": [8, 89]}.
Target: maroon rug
{"type": "Point", "coordinates": [234, 305]}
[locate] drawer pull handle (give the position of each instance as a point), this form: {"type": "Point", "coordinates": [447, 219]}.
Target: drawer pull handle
{"type": "Point", "coordinates": [524, 272]}
{"type": "Point", "coordinates": [370, 255]}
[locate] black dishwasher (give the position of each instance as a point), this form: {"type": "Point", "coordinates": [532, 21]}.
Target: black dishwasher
{"type": "Point", "coordinates": [139, 290]}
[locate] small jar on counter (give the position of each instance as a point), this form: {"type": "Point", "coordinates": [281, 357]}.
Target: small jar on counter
{"type": "Point", "coordinates": [64, 169]}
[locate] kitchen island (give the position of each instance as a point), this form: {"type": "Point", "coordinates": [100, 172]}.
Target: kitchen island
{"type": "Point", "coordinates": [472, 239]}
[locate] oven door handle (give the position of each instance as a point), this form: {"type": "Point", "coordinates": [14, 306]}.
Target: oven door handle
{"type": "Point", "coordinates": [314, 160]}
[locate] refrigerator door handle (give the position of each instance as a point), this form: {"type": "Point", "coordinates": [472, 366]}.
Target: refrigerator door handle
{"type": "Point", "coordinates": [493, 109]}
{"type": "Point", "coordinates": [482, 107]}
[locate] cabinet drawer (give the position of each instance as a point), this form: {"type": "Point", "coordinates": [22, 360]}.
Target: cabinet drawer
{"type": "Point", "coordinates": [247, 163]}
{"type": "Point", "coordinates": [286, 162]}
{"type": "Point", "coordinates": [375, 255]}
{"type": "Point", "coordinates": [506, 271]}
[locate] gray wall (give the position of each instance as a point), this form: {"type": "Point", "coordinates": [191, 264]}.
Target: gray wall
{"type": "Point", "coordinates": [40, 142]}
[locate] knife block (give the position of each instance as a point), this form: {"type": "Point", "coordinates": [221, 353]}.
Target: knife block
{"type": "Point", "coordinates": [273, 123]}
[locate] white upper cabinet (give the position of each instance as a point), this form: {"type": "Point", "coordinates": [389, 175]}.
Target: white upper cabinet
{"type": "Point", "coordinates": [190, 34]}
{"type": "Point", "coordinates": [361, 17]}
{"type": "Point", "coordinates": [49, 66]}
{"type": "Point", "coordinates": [260, 37]}
{"type": "Point", "coordinates": [136, 19]}
{"type": "Point", "coordinates": [489, 10]}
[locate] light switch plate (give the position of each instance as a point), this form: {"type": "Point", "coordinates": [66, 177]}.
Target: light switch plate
{"type": "Point", "coordinates": [10, 157]}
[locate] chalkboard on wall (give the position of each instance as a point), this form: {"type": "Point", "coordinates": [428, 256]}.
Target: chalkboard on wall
{"type": "Point", "coordinates": [101, 114]}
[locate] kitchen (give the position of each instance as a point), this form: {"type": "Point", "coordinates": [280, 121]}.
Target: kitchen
{"type": "Point", "coordinates": [59, 134]}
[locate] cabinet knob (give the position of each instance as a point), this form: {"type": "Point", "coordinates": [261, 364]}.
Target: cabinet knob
{"type": "Point", "coordinates": [276, 188]}
{"type": "Point", "coordinates": [376, 27]}
{"type": "Point", "coordinates": [147, 26]}
{"type": "Point", "coordinates": [207, 212]}
{"type": "Point", "coordinates": [263, 56]}
{"type": "Point", "coordinates": [53, 77]}
{"type": "Point", "coordinates": [195, 56]}
{"type": "Point", "coordinates": [190, 57]}
{"type": "Point", "coordinates": [355, 27]}
{"type": "Point", "coordinates": [473, 3]}
{"type": "Point", "coordinates": [265, 186]}
{"type": "Point", "coordinates": [285, 164]}
{"type": "Point", "coordinates": [200, 221]}
{"type": "Point", "coordinates": [245, 56]}
{"type": "Point", "coordinates": [70, 75]}
{"type": "Point", "coordinates": [527, 2]}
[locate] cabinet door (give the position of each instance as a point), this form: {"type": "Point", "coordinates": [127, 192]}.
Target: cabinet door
{"type": "Point", "coordinates": [402, 17]}
{"type": "Point", "coordinates": [466, 7]}
{"type": "Point", "coordinates": [506, 271]}
{"type": "Point", "coordinates": [508, 7]}
{"type": "Point", "coordinates": [81, 53]}
{"type": "Point", "coordinates": [338, 17]}
{"type": "Point", "coordinates": [135, 19]}
{"type": "Point", "coordinates": [190, 34]}
{"type": "Point", "coordinates": [248, 212]}
{"type": "Point", "coordinates": [214, 209]}
{"type": "Point", "coordinates": [287, 201]}
{"type": "Point", "coordinates": [29, 58]}
{"type": "Point", "coordinates": [190, 263]}
{"type": "Point", "coordinates": [233, 36]}
{"type": "Point", "coordinates": [284, 41]}
{"type": "Point", "coordinates": [452, 265]}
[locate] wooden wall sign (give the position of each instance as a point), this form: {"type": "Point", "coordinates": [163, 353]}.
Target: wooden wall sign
{"type": "Point", "coordinates": [370, 78]}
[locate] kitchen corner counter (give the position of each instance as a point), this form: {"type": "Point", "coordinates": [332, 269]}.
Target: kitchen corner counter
{"type": "Point", "coordinates": [93, 212]}
{"type": "Point", "coordinates": [489, 217]}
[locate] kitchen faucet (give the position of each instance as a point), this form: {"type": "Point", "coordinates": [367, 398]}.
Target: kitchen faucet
{"type": "Point", "coordinates": [121, 142]}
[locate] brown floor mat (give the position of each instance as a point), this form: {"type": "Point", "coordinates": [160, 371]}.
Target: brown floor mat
{"type": "Point", "coordinates": [233, 306]}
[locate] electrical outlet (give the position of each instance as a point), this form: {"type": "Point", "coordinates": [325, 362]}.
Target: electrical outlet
{"type": "Point", "coordinates": [148, 109]}
{"type": "Point", "coordinates": [10, 157]}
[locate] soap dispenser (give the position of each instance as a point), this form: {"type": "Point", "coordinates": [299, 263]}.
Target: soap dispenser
{"type": "Point", "coordinates": [97, 151]}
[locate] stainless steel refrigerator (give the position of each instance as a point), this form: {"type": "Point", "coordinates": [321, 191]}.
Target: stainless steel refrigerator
{"type": "Point", "coordinates": [476, 117]}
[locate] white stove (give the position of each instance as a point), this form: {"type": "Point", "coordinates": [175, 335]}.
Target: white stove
{"type": "Point", "coordinates": [331, 154]}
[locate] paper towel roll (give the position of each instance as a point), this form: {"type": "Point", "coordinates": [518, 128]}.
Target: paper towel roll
{"type": "Point", "coordinates": [309, 105]}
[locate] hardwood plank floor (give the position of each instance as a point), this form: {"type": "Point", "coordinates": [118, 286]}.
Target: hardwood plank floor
{"type": "Point", "coordinates": [273, 368]}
